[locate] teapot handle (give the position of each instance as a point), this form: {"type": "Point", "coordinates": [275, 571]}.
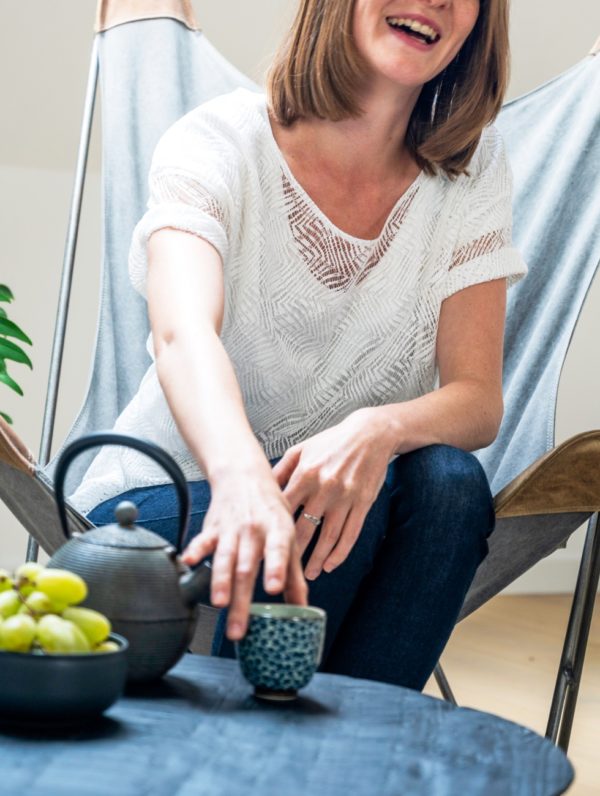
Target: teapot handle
{"type": "Point", "coordinates": [152, 450]}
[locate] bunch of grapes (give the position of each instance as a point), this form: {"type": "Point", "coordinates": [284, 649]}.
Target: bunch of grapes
{"type": "Point", "coordinates": [39, 613]}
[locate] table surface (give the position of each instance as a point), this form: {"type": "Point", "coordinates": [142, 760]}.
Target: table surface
{"type": "Point", "coordinates": [201, 732]}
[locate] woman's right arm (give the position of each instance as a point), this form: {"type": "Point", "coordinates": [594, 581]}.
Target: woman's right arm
{"type": "Point", "coordinates": [248, 517]}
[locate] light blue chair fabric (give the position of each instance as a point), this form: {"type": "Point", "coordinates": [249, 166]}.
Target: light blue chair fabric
{"type": "Point", "coordinates": [553, 140]}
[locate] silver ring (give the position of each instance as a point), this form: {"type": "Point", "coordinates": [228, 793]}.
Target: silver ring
{"type": "Point", "coordinates": [311, 518]}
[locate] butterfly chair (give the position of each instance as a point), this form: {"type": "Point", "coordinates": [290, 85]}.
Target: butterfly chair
{"type": "Point", "coordinates": [154, 66]}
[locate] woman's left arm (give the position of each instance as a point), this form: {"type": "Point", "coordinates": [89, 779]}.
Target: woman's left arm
{"type": "Point", "coordinates": [338, 473]}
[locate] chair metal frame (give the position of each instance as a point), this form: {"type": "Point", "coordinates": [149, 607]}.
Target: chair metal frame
{"type": "Point", "coordinates": [564, 701]}
{"type": "Point", "coordinates": [570, 668]}
{"type": "Point", "coordinates": [64, 299]}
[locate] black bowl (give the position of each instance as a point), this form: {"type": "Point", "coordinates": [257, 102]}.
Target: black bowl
{"type": "Point", "coordinates": [58, 689]}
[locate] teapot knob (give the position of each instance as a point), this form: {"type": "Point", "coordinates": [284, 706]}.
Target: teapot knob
{"type": "Point", "coordinates": [126, 513]}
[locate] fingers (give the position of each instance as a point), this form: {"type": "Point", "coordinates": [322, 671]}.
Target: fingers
{"type": "Point", "coordinates": [306, 527]}
{"type": "Point", "coordinates": [238, 535]}
{"type": "Point", "coordinates": [286, 466]}
{"type": "Point", "coordinates": [297, 589]}
{"type": "Point", "coordinates": [200, 547]}
{"type": "Point", "coordinates": [277, 555]}
{"type": "Point", "coordinates": [223, 564]}
{"type": "Point", "coordinates": [235, 566]}
{"type": "Point", "coordinates": [348, 537]}
{"type": "Point", "coordinates": [334, 528]}
{"type": "Point", "coordinates": [298, 489]}
{"type": "Point", "coordinates": [246, 569]}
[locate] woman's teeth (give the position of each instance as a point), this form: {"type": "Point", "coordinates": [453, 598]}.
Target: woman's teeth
{"type": "Point", "coordinates": [414, 28]}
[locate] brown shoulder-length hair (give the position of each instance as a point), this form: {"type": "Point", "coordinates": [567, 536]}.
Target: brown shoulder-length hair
{"type": "Point", "coordinates": [318, 69]}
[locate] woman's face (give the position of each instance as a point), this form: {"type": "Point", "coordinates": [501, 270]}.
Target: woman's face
{"type": "Point", "coordinates": [409, 42]}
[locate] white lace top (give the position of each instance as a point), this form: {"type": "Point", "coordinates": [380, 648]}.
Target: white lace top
{"type": "Point", "coordinates": [317, 323]}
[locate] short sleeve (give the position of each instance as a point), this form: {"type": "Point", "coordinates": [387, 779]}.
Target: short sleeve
{"type": "Point", "coordinates": [193, 178]}
{"type": "Point", "coordinates": [482, 248]}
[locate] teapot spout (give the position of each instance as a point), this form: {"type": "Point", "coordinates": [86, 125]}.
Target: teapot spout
{"type": "Point", "coordinates": [195, 585]}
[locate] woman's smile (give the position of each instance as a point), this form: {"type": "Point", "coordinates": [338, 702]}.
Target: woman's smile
{"type": "Point", "coordinates": [416, 30]}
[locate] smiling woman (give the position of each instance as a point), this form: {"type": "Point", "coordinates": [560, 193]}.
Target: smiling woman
{"type": "Point", "coordinates": [313, 258]}
{"type": "Point", "coordinates": [461, 83]}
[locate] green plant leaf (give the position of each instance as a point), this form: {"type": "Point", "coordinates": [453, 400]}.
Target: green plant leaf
{"type": "Point", "coordinates": [6, 417]}
{"type": "Point", "coordinates": [9, 350]}
{"type": "Point", "coordinates": [5, 293]}
{"type": "Point", "coordinates": [10, 329]}
{"type": "Point", "coordinates": [4, 377]}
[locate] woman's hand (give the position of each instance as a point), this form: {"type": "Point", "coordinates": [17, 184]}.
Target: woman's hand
{"type": "Point", "coordinates": [336, 475]}
{"type": "Point", "coordinates": [248, 519]}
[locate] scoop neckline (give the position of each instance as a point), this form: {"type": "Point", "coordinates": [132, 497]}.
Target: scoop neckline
{"type": "Point", "coordinates": [314, 206]}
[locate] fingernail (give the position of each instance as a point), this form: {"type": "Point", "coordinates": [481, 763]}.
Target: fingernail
{"type": "Point", "coordinates": [273, 583]}
{"type": "Point", "coordinates": [236, 630]}
{"type": "Point", "coordinates": [312, 574]}
{"type": "Point", "coordinates": [219, 596]}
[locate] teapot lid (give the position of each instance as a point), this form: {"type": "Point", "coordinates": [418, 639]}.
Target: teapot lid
{"type": "Point", "coordinates": [124, 533]}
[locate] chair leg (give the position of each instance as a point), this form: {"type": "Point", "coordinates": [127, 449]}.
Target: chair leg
{"type": "Point", "coordinates": [564, 700]}
{"type": "Point", "coordinates": [443, 684]}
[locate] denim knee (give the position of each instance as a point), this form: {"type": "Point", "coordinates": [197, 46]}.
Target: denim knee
{"type": "Point", "coordinates": [448, 488]}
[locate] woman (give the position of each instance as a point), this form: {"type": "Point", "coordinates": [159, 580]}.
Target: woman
{"type": "Point", "coordinates": [309, 258]}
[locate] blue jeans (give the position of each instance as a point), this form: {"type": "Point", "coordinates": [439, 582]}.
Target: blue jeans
{"type": "Point", "coordinates": [391, 606]}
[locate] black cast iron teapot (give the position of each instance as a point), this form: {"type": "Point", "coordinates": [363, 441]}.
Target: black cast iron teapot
{"type": "Point", "coordinates": [133, 575]}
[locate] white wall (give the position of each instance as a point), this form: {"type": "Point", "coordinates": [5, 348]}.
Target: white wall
{"type": "Point", "coordinates": [43, 70]}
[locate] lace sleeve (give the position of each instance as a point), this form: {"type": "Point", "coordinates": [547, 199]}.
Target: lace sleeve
{"type": "Point", "coordinates": [193, 177]}
{"type": "Point", "coordinates": [483, 248]}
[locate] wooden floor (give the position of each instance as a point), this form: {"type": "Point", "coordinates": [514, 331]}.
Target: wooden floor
{"type": "Point", "coordinates": [503, 660]}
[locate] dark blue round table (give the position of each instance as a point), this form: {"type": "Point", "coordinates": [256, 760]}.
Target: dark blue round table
{"type": "Point", "coordinates": [200, 732]}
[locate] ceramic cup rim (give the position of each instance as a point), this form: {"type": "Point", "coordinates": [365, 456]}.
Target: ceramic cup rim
{"type": "Point", "coordinates": [287, 611]}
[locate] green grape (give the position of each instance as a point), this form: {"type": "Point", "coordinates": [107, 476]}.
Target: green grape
{"type": "Point", "coordinates": [5, 580]}
{"type": "Point", "coordinates": [107, 646]}
{"type": "Point", "coordinates": [60, 636]}
{"type": "Point", "coordinates": [10, 603]}
{"type": "Point", "coordinates": [29, 570]}
{"type": "Point", "coordinates": [38, 603]}
{"type": "Point", "coordinates": [48, 633]}
{"type": "Point", "coordinates": [93, 624]}
{"type": "Point", "coordinates": [25, 576]}
{"type": "Point", "coordinates": [62, 586]}
{"type": "Point", "coordinates": [18, 633]}
{"type": "Point", "coordinates": [79, 638]}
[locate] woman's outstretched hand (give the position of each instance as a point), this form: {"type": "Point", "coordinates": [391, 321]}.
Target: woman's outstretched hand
{"type": "Point", "coordinates": [248, 520]}
{"type": "Point", "coordinates": [335, 475]}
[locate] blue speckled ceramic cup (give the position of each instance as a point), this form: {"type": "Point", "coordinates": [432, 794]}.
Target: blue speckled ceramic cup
{"type": "Point", "coordinates": [282, 648]}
